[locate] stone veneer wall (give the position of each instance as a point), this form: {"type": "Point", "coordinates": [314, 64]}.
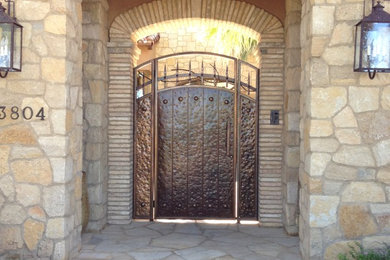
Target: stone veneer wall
{"type": "Point", "coordinates": [95, 96]}
{"type": "Point", "coordinates": [151, 18]}
{"type": "Point", "coordinates": [291, 116]}
{"type": "Point", "coordinates": [40, 161]}
{"type": "Point", "coordinates": [345, 147]}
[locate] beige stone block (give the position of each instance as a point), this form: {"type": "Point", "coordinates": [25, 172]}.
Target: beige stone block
{"type": "Point", "coordinates": [382, 152]}
{"type": "Point", "coordinates": [55, 228]}
{"type": "Point", "coordinates": [340, 172]}
{"type": "Point", "coordinates": [7, 187]}
{"type": "Point", "coordinates": [37, 213]}
{"type": "Point", "coordinates": [41, 127]}
{"type": "Point", "coordinates": [376, 242]}
{"type": "Point", "coordinates": [34, 171]}
{"type": "Point", "coordinates": [97, 90]}
{"type": "Point", "coordinates": [354, 156]}
{"type": "Point", "coordinates": [363, 99]}
{"type": "Point", "coordinates": [318, 45]}
{"type": "Point", "coordinates": [323, 19]}
{"type": "Point", "coordinates": [348, 136]}
{"type": "Point", "coordinates": [55, 146]}
{"type": "Point", "coordinates": [56, 95]}
{"type": "Point", "coordinates": [33, 231]}
{"type": "Point", "coordinates": [30, 72]}
{"type": "Point", "coordinates": [323, 210]}
{"type": "Point", "coordinates": [343, 75]}
{"type": "Point", "coordinates": [30, 56]}
{"type": "Point", "coordinates": [385, 98]}
{"type": "Point", "coordinates": [342, 34]}
{"type": "Point", "coordinates": [332, 55]}
{"type": "Point", "coordinates": [332, 187]}
{"type": "Point", "coordinates": [32, 10]}
{"type": "Point", "coordinates": [4, 155]}
{"type": "Point", "coordinates": [356, 221]}
{"type": "Point", "coordinates": [26, 86]}
{"type": "Point", "coordinates": [326, 102]}
{"type": "Point", "coordinates": [384, 175]}
{"type": "Point", "coordinates": [27, 194]}
{"type": "Point", "coordinates": [58, 119]}
{"type": "Point", "coordinates": [374, 126]}
{"type": "Point", "coordinates": [345, 118]}
{"type": "Point", "coordinates": [318, 163]}
{"type": "Point", "coordinates": [326, 145]}
{"type": "Point", "coordinates": [55, 24]}
{"type": "Point", "coordinates": [343, 247]}
{"type": "Point", "coordinates": [293, 120]}
{"type": "Point", "coordinates": [24, 152]}
{"type": "Point", "coordinates": [363, 192]}
{"type": "Point", "coordinates": [11, 237]}
{"type": "Point", "coordinates": [56, 45]}
{"type": "Point", "coordinates": [319, 74]}
{"type": "Point", "coordinates": [380, 209]}
{"type": "Point", "coordinates": [293, 157]}
{"type": "Point", "coordinates": [12, 214]}
{"type": "Point", "coordinates": [17, 134]}
{"type": "Point", "coordinates": [54, 70]}
{"type": "Point", "coordinates": [38, 45]}
{"type": "Point", "coordinates": [315, 185]}
{"type": "Point", "coordinates": [55, 201]}
{"type": "Point", "coordinates": [349, 12]}
{"type": "Point", "coordinates": [62, 169]}
{"type": "Point", "coordinates": [321, 128]}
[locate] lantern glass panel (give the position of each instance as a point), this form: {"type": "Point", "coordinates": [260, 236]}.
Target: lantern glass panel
{"type": "Point", "coordinates": [358, 34]}
{"type": "Point", "coordinates": [376, 46]}
{"type": "Point", "coordinates": [17, 48]}
{"type": "Point", "coordinates": [5, 45]}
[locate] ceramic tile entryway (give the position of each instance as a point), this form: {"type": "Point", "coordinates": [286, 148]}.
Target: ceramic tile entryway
{"type": "Point", "coordinates": [149, 241]}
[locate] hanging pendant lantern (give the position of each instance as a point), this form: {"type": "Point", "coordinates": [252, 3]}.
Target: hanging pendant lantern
{"type": "Point", "coordinates": [10, 42]}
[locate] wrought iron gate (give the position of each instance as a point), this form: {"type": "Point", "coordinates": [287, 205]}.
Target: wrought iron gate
{"type": "Point", "coordinates": [196, 137]}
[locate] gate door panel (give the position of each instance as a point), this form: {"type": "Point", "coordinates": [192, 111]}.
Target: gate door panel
{"type": "Point", "coordinates": [196, 137]}
{"type": "Point", "coordinates": [195, 153]}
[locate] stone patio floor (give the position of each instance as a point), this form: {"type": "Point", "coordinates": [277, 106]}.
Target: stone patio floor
{"type": "Point", "coordinates": [152, 240]}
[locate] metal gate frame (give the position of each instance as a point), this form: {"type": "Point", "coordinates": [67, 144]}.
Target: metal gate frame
{"type": "Point", "coordinates": [237, 129]}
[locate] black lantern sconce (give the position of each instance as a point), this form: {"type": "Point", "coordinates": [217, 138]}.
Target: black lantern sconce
{"type": "Point", "coordinates": [10, 41]}
{"type": "Point", "coordinates": [372, 42]}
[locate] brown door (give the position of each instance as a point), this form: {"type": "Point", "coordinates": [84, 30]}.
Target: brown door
{"type": "Point", "coordinates": [195, 177]}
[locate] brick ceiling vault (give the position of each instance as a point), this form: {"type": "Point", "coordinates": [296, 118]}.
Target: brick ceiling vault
{"type": "Point", "coordinates": [151, 17]}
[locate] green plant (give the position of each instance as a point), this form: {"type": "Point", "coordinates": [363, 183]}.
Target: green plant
{"type": "Point", "coordinates": [232, 42]}
{"type": "Point", "coordinates": [359, 253]}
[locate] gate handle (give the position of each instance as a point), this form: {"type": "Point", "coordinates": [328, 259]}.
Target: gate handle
{"type": "Point", "coordinates": [228, 138]}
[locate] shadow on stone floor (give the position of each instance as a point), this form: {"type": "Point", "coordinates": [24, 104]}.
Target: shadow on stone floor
{"type": "Point", "coordinates": [152, 241]}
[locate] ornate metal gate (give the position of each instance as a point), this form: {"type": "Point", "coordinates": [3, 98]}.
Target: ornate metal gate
{"type": "Point", "coordinates": [196, 135]}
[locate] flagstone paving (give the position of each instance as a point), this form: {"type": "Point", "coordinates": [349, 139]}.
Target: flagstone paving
{"type": "Point", "coordinates": [193, 241]}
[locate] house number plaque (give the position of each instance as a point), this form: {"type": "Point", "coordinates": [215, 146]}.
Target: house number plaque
{"type": "Point", "coordinates": [27, 113]}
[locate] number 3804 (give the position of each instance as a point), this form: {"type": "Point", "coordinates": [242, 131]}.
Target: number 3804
{"type": "Point", "coordinates": [26, 113]}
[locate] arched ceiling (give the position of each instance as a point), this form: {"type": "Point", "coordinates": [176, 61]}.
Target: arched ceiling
{"type": "Point", "coordinates": [275, 7]}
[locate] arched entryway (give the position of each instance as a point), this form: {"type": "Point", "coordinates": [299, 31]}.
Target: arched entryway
{"type": "Point", "coordinates": [123, 55]}
{"type": "Point", "coordinates": [196, 133]}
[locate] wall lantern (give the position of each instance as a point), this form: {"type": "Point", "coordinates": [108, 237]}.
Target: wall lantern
{"type": "Point", "coordinates": [10, 41]}
{"type": "Point", "coordinates": [372, 42]}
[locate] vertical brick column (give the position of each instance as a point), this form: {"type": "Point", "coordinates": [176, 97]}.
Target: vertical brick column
{"type": "Point", "coordinates": [40, 160]}
{"type": "Point", "coordinates": [291, 116]}
{"type": "Point", "coordinates": [120, 132]}
{"type": "Point", "coordinates": [95, 92]}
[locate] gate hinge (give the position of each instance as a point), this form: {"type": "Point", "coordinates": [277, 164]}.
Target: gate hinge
{"type": "Point", "coordinates": [154, 203]}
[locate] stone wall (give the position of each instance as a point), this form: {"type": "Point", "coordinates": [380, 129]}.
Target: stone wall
{"type": "Point", "coordinates": [41, 160]}
{"type": "Point", "coordinates": [95, 96]}
{"type": "Point", "coordinates": [345, 134]}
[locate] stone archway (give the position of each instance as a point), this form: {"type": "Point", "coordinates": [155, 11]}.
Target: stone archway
{"type": "Point", "coordinates": [147, 18]}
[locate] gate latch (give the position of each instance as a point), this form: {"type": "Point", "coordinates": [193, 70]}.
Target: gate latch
{"type": "Point", "coordinates": [274, 117]}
